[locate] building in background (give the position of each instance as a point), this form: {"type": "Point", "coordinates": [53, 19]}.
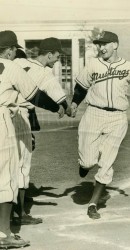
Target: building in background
{"type": "Point", "coordinates": [76, 39]}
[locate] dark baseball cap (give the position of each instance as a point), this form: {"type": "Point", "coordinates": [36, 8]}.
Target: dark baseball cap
{"type": "Point", "coordinates": [8, 38]}
{"type": "Point", "coordinates": [51, 44]}
{"type": "Point", "coordinates": [107, 37]}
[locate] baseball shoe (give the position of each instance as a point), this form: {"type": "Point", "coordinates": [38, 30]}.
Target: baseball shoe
{"type": "Point", "coordinates": [83, 171]}
{"type": "Point", "coordinates": [26, 220]}
{"type": "Point", "coordinates": [14, 241]}
{"type": "Point", "coordinates": [92, 212]}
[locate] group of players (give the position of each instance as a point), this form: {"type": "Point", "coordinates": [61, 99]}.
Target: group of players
{"type": "Point", "coordinates": [26, 83]}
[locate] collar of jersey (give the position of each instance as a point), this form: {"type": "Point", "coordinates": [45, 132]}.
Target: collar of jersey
{"type": "Point", "coordinates": [120, 61]}
{"type": "Point", "coordinates": [35, 62]}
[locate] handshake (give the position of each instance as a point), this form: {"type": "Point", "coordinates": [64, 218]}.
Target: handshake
{"type": "Point", "coordinates": [70, 111]}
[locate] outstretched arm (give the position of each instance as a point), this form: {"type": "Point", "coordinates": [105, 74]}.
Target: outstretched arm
{"type": "Point", "coordinates": [42, 100]}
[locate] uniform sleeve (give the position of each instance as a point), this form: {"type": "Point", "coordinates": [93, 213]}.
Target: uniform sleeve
{"type": "Point", "coordinates": [84, 79]}
{"type": "Point", "coordinates": [52, 87]}
{"type": "Point", "coordinates": [42, 100]}
{"type": "Point", "coordinates": [79, 94]}
{"type": "Point", "coordinates": [22, 82]}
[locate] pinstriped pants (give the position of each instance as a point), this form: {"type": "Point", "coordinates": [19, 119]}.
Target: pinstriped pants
{"type": "Point", "coordinates": [100, 135]}
{"type": "Point", "coordinates": [24, 143]}
{"type": "Point", "coordinates": [8, 158]}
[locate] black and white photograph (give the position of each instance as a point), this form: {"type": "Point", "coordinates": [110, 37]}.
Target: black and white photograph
{"type": "Point", "coordinates": [64, 122]}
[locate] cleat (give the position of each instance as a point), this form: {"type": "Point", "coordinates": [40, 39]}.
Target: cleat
{"type": "Point", "coordinates": [14, 241]}
{"type": "Point", "coordinates": [92, 212]}
{"type": "Point", "coordinates": [83, 171]}
{"type": "Point", "coordinates": [26, 220]}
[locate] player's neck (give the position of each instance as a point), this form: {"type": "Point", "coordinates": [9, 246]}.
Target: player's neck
{"type": "Point", "coordinates": [41, 60]}
{"type": "Point", "coordinates": [113, 58]}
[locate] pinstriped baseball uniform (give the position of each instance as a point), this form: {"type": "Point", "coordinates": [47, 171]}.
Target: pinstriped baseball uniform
{"type": "Point", "coordinates": [8, 158]}
{"type": "Point", "coordinates": [46, 81]}
{"type": "Point", "coordinates": [12, 81]}
{"type": "Point", "coordinates": [104, 123]}
{"type": "Point", "coordinates": [44, 78]}
{"type": "Point", "coordinates": [24, 142]}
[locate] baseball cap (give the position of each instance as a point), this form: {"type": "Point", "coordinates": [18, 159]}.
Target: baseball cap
{"type": "Point", "coordinates": [8, 38]}
{"type": "Point", "coordinates": [51, 44]}
{"type": "Point", "coordinates": [107, 37]}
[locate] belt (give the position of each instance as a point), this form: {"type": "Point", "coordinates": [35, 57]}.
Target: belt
{"type": "Point", "coordinates": [106, 108]}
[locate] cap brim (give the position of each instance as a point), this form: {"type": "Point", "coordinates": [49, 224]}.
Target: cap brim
{"type": "Point", "coordinates": [103, 41]}
{"type": "Point", "coordinates": [100, 41]}
{"type": "Point", "coordinates": [18, 46]}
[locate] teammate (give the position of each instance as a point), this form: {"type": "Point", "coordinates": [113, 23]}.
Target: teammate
{"type": "Point", "coordinates": [14, 80]}
{"type": "Point", "coordinates": [46, 82]}
{"type": "Point", "coordinates": [103, 83]}
{"type": "Point", "coordinates": [40, 69]}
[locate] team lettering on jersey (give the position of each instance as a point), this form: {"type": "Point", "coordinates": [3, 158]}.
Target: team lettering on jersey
{"type": "Point", "coordinates": [111, 73]}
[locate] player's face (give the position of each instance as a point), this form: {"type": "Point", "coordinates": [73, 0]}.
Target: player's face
{"type": "Point", "coordinates": [53, 58]}
{"type": "Point", "coordinates": [12, 53]}
{"type": "Point", "coordinates": [106, 50]}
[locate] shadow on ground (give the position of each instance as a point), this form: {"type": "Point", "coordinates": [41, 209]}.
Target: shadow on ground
{"type": "Point", "coordinates": [81, 194]}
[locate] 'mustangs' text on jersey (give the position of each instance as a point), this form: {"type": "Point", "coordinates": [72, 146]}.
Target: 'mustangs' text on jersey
{"type": "Point", "coordinates": [107, 83]}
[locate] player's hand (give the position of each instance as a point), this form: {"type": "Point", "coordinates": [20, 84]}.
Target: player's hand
{"type": "Point", "coordinates": [68, 111]}
{"type": "Point", "coordinates": [13, 108]}
{"type": "Point", "coordinates": [61, 111]}
{"type": "Point", "coordinates": [73, 108]}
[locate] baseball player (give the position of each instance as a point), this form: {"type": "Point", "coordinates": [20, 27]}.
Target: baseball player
{"type": "Point", "coordinates": [103, 83]}
{"type": "Point", "coordinates": [46, 82]}
{"type": "Point", "coordinates": [40, 69]}
{"type": "Point", "coordinates": [14, 81]}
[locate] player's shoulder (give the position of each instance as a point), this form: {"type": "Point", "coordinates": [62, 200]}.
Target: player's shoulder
{"type": "Point", "coordinates": [35, 63]}
{"type": "Point", "coordinates": [126, 61]}
{"type": "Point", "coordinates": [123, 64]}
{"type": "Point", "coordinates": [48, 71]}
{"type": "Point", "coordinates": [9, 64]}
{"type": "Point", "coordinates": [6, 62]}
{"type": "Point", "coordinates": [23, 62]}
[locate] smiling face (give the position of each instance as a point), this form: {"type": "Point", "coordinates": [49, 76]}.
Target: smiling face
{"type": "Point", "coordinates": [107, 50]}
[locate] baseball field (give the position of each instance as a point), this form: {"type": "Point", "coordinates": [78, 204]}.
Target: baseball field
{"type": "Point", "coordinates": [61, 197]}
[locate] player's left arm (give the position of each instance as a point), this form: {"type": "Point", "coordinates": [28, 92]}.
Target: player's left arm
{"type": "Point", "coordinates": [53, 88]}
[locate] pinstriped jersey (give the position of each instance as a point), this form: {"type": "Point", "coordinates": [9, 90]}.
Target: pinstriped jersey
{"type": "Point", "coordinates": [13, 81]}
{"type": "Point", "coordinates": [107, 83]}
{"type": "Point", "coordinates": [43, 77]}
